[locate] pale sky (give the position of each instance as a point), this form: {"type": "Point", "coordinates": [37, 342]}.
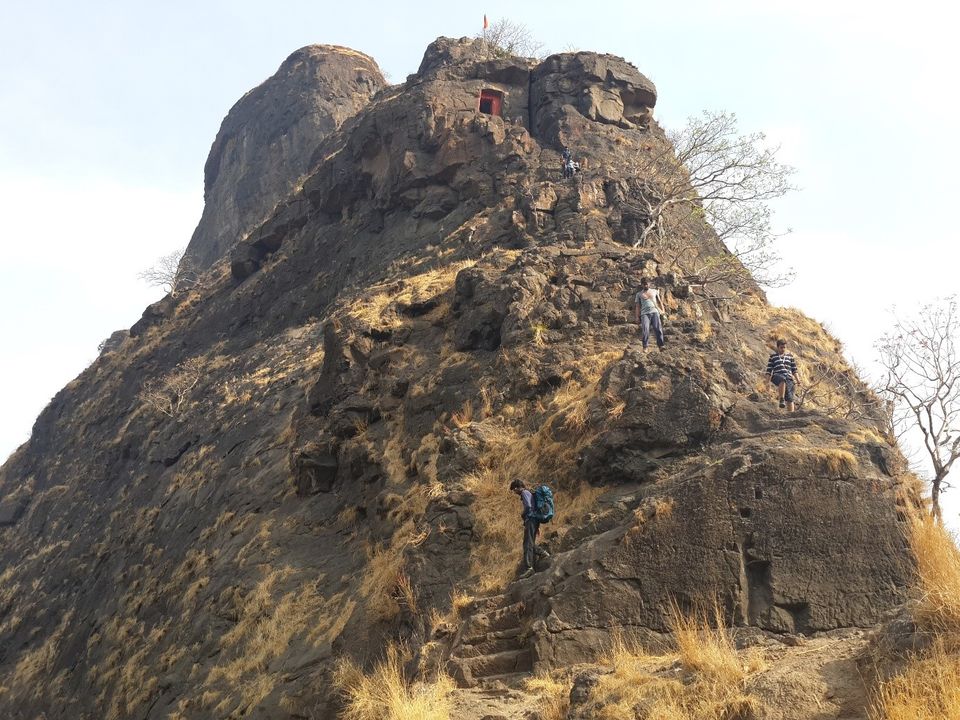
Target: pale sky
{"type": "Point", "coordinates": [109, 110]}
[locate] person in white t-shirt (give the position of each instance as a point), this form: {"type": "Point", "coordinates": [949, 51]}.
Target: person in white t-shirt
{"type": "Point", "coordinates": [647, 310]}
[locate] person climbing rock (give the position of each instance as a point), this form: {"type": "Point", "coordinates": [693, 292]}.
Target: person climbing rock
{"type": "Point", "coordinates": [782, 369]}
{"type": "Point", "coordinates": [531, 527]}
{"type": "Point", "coordinates": [569, 166]}
{"type": "Point", "coordinates": [647, 310]}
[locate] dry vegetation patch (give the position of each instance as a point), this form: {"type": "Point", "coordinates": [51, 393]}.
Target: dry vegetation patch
{"type": "Point", "coordinates": [384, 694]}
{"type": "Point", "coordinates": [928, 686]}
{"type": "Point", "coordinates": [938, 580]}
{"type": "Point", "coordinates": [553, 694]}
{"type": "Point", "coordinates": [704, 679]}
{"type": "Point", "coordinates": [377, 306]}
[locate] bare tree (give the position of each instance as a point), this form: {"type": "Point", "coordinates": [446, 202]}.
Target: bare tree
{"type": "Point", "coordinates": [725, 178]}
{"type": "Point", "coordinates": [922, 381]}
{"type": "Point", "coordinates": [506, 37]}
{"type": "Point", "coordinates": [174, 272]}
{"type": "Point", "coordinates": [167, 394]}
{"type": "Point", "coordinates": [839, 392]}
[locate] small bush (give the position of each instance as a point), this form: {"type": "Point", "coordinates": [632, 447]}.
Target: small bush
{"type": "Point", "coordinates": [168, 394]}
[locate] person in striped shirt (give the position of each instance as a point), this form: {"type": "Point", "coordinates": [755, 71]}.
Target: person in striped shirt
{"type": "Point", "coordinates": [782, 369]}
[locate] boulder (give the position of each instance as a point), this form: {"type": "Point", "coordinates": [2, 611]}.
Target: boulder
{"type": "Point", "coordinates": [603, 88]}
{"type": "Point", "coordinates": [153, 315]}
{"type": "Point", "coordinates": [314, 467]}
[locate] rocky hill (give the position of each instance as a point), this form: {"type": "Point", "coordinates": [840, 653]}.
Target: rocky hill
{"type": "Point", "coordinates": [306, 456]}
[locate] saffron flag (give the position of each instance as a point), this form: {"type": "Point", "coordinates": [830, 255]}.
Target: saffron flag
{"type": "Point", "coordinates": [485, 23]}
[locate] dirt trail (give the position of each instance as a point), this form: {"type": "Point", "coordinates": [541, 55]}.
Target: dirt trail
{"type": "Point", "coordinates": [492, 704]}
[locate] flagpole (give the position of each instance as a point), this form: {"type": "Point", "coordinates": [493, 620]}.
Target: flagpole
{"type": "Point", "coordinates": [486, 46]}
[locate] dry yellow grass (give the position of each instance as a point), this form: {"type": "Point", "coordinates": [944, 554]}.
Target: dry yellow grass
{"type": "Point", "coordinates": [464, 416]}
{"type": "Point", "coordinates": [938, 580]}
{"type": "Point", "coordinates": [928, 689]}
{"type": "Point", "coordinates": [383, 694]}
{"type": "Point", "coordinates": [710, 688]}
{"type": "Point", "coordinates": [379, 582]}
{"type": "Point", "coordinates": [376, 306]}
{"type": "Point", "coordinates": [459, 602]}
{"type": "Point", "coordinates": [928, 686]}
{"type": "Point", "coordinates": [553, 695]}
{"type": "Point", "coordinates": [705, 646]}
{"type": "Point", "coordinates": [405, 593]}
{"type": "Point", "coordinates": [829, 462]}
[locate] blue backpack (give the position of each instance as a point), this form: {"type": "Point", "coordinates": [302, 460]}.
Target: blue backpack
{"type": "Point", "coordinates": [543, 503]}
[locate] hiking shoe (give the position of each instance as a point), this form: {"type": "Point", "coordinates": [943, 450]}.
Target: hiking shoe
{"type": "Point", "coordinates": [544, 554]}
{"type": "Point", "coordinates": [526, 573]}
{"type": "Point", "coordinates": [782, 404]}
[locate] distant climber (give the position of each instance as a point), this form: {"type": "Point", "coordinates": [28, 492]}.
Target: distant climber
{"type": "Point", "coordinates": [532, 517]}
{"type": "Point", "coordinates": [570, 168]}
{"type": "Point", "coordinates": [647, 310]}
{"type": "Point", "coordinates": [782, 369]}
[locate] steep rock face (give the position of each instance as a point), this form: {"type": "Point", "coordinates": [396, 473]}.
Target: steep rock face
{"type": "Point", "coordinates": [307, 456]}
{"type": "Point", "coordinates": [266, 142]}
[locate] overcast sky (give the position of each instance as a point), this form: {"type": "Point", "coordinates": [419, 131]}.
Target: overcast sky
{"type": "Point", "coordinates": [109, 110]}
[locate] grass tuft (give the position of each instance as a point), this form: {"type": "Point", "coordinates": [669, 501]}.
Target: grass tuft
{"type": "Point", "coordinates": [938, 579]}
{"type": "Point", "coordinates": [384, 694]}
{"type": "Point", "coordinates": [928, 689]}
{"type": "Point", "coordinates": [703, 680]}
{"type": "Point", "coordinates": [928, 684]}
{"type": "Point", "coordinates": [553, 694]}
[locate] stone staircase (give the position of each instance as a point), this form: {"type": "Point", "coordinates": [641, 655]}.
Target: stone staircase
{"type": "Point", "coordinates": [491, 646]}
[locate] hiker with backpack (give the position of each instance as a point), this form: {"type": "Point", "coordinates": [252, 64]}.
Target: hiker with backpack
{"type": "Point", "coordinates": [782, 369]}
{"type": "Point", "coordinates": [537, 509]}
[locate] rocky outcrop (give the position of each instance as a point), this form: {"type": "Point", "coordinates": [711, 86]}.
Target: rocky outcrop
{"type": "Point", "coordinates": [307, 457]}
{"type": "Point", "coordinates": [603, 88]}
{"type": "Point", "coordinates": [266, 143]}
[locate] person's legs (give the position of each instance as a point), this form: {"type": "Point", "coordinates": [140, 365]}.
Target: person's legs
{"type": "Point", "coordinates": [779, 383]}
{"type": "Point", "coordinates": [788, 388]}
{"type": "Point", "coordinates": [530, 527]}
{"type": "Point", "coordinates": [537, 550]}
{"type": "Point", "coordinates": [645, 330]}
{"type": "Point", "coordinates": [657, 329]}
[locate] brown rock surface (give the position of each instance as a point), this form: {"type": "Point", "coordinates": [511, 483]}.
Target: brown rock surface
{"type": "Point", "coordinates": [434, 311]}
{"type": "Point", "coordinates": [267, 140]}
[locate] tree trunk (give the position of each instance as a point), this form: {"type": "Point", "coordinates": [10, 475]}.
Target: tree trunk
{"type": "Point", "coordinates": [935, 500]}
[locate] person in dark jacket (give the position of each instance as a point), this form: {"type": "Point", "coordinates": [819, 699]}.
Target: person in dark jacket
{"type": "Point", "coordinates": [782, 369]}
{"type": "Point", "coordinates": [531, 526]}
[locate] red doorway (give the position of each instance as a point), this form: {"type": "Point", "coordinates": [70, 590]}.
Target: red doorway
{"type": "Point", "coordinates": [491, 102]}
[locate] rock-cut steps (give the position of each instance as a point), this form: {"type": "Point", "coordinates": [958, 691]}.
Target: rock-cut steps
{"type": "Point", "coordinates": [491, 646]}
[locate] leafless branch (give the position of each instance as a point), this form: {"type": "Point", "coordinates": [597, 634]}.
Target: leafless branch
{"type": "Point", "coordinates": [724, 178]}
{"type": "Point", "coordinates": [839, 392]}
{"type": "Point", "coordinates": [507, 37]}
{"type": "Point", "coordinates": [167, 395]}
{"type": "Point", "coordinates": [922, 381]}
{"type": "Point", "coordinates": [174, 272]}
